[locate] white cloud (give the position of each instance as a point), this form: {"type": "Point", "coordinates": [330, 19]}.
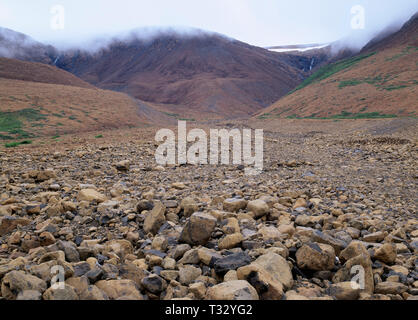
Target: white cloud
{"type": "Point", "coordinates": [259, 22]}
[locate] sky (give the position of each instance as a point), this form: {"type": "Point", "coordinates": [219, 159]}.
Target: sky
{"type": "Point", "coordinates": [257, 22]}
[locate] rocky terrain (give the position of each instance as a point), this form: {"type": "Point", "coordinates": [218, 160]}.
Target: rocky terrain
{"type": "Point", "coordinates": [121, 227]}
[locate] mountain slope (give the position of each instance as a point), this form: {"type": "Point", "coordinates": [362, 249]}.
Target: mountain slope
{"type": "Point", "coordinates": [198, 76]}
{"type": "Point", "coordinates": [20, 46]}
{"type": "Point", "coordinates": [38, 100]}
{"type": "Point", "coordinates": [38, 72]}
{"type": "Point", "coordinates": [381, 81]}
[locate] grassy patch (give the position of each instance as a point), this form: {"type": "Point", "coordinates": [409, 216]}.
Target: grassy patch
{"type": "Point", "coordinates": [380, 82]}
{"type": "Point", "coordinates": [264, 116]}
{"type": "Point", "coordinates": [404, 52]}
{"type": "Point", "coordinates": [349, 83]}
{"type": "Point", "coordinates": [16, 144]}
{"type": "Point", "coordinates": [394, 87]}
{"type": "Point", "coordinates": [37, 125]}
{"type": "Point", "coordinates": [5, 137]}
{"type": "Point", "coordinates": [174, 115]}
{"type": "Point", "coordinates": [190, 120]}
{"type": "Point", "coordinates": [329, 70]}
{"type": "Point", "coordinates": [12, 119]}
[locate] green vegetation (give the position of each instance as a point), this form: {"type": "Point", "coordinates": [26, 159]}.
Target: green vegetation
{"type": "Point", "coordinates": [349, 83]}
{"type": "Point", "coordinates": [16, 144]}
{"type": "Point", "coordinates": [185, 119]}
{"type": "Point", "coordinates": [5, 137]}
{"type": "Point", "coordinates": [390, 88]}
{"type": "Point", "coordinates": [404, 52]}
{"type": "Point", "coordinates": [380, 82]}
{"type": "Point", "coordinates": [35, 125]}
{"type": "Point", "coordinates": [72, 117]}
{"type": "Point", "coordinates": [55, 137]}
{"type": "Point", "coordinates": [99, 136]}
{"type": "Point", "coordinates": [264, 116]}
{"type": "Point", "coordinates": [349, 115]}
{"type": "Point", "coordinates": [329, 70]}
{"type": "Point", "coordinates": [174, 115]}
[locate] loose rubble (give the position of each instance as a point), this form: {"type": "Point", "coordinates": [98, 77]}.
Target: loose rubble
{"type": "Point", "coordinates": [114, 226]}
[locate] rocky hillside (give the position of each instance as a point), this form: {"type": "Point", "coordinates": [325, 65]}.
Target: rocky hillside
{"type": "Point", "coordinates": [381, 81]}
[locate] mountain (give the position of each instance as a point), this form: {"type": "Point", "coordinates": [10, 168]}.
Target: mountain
{"type": "Point", "coordinates": [20, 46]}
{"type": "Point", "coordinates": [379, 81]}
{"type": "Point", "coordinates": [38, 72]}
{"type": "Point", "coordinates": [198, 76]}
{"type": "Point", "coordinates": [39, 100]}
{"type": "Point", "coordinates": [407, 36]}
{"type": "Point", "coordinates": [201, 76]}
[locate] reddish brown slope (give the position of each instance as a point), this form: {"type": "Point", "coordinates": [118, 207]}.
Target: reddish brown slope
{"type": "Point", "coordinates": [199, 77]}
{"type": "Point", "coordinates": [38, 100]}
{"type": "Point", "coordinates": [38, 72]}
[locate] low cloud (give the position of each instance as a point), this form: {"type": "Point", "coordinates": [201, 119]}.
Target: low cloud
{"type": "Point", "coordinates": [358, 39]}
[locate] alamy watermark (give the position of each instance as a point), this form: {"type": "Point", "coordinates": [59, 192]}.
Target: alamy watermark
{"type": "Point", "coordinates": [358, 20]}
{"type": "Point", "coordinates": [198, 152]}
{"type": "Point", "coordinates": [358, 281]}
{"type": "Point", "coordinates": [58, 17]}
{"type": "Point", "coordinates": [58, 279]}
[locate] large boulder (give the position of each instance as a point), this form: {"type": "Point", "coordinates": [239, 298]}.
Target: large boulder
{"type": "Point", "coordinates": [8, 224]}
{"type": "Point", "coordinates": [15, 282]}
{"type": "Point", "coordinates": [120, 289]}
{"type": "Point", "coordinates": [91, 195]}
{"type": "Point", "coordinates": [234, 204]}
{"type": "Point", "coordinates": [198, 229]}
{"type": "Point", "coordinates": [231, 262]}
{"type": "Point", "coordinates": [357, 266]}
{"type": "Point", "coordinates": [316, 256]}
{"type": "Point", "coordinates": [386, 253]}
{"type": "Point", "coordinates": [189, 206]}
{"type": "Point", "coordinates": [230, 241]}
{"type": "Point", "coordinates": [66, 293]}
{"type": "Point", "coordinates": [258, 207]}
{"type": "Point", "coordinates": [232, 290]}
{"type": "Point", "coordinates": [354, 249]}
{"type": "Point", "coordinates": [155, 219]}
{"type": "Point", "coordinates": [270, 275]}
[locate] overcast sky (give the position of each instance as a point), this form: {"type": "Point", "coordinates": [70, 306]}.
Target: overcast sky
{"type": "Point", "coordinates": [258, 22]}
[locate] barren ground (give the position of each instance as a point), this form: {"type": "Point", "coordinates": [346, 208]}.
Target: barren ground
{"type": "Point", "coordinates": [333, 195]}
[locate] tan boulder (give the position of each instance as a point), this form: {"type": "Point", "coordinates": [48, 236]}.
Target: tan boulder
{"type": "Point", "coordinates": [91, 195]}
{"type": "Point", "coordinates": [316, 256]}
{"type": "Point", "coordinates": [232, 290]}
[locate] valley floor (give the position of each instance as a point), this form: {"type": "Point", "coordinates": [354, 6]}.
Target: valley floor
{"type": "Point", "coordinates": [333, 195]}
